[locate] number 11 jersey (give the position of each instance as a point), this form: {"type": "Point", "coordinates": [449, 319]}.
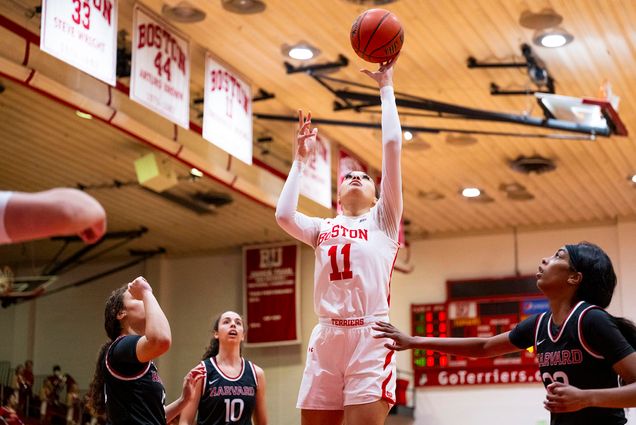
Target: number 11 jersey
{"type": "Point", "coordinates": [354, 264]}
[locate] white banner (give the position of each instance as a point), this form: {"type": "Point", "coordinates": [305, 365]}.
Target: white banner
{"type": "Point", "coordinates": [227, 111]}
{"type": "Point", "coordinates": [82, 33]}
{"type": "Point", "coordinates": [160, 73]}
{"type": "Point", "coordinates": [316, 181]}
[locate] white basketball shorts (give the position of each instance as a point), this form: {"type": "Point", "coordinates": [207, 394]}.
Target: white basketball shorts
{"type": "Point", "coordinates": [346, 366]}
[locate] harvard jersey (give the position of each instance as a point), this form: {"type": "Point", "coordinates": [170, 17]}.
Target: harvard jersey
{"type": "Point", "coordinates": [134, 392]}
{"type": "Point", "coordinates": [354, 262]}
{"type": "Point", "coordinates": [227, 400]}
{"type": "Point", "coordinates": [565, 355]}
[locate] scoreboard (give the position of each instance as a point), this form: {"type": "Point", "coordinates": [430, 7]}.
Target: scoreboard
{"type": "Point", "coordinates": [476, 308]}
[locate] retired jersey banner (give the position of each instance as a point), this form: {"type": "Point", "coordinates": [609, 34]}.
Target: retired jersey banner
{"type": "Point", "coordinates": [227, 111]}
{"type": "Point", "coordinates": [160, 72]}
{"type": "Point", "coordinates": [347, 163]}
{"type": "Point", "coordinates": [83, 34]}
{"type": "Point", "coordinates": [271, 294]}
{"type": "Point", "coordinates": [316, 181]}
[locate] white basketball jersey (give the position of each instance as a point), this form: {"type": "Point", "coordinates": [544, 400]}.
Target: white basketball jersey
{"type": "Point", "coordinates": [354, 264]}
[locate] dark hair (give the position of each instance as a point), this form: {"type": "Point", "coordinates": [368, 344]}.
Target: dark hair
{"type": "Point", "coordinates": [213, 349]}
{"type": "Point", "coordinates": [114, 305]}
{"type": "Point", "coordinates": [598, 282]}
{"type": "Point", "coordinates": [56, 368]}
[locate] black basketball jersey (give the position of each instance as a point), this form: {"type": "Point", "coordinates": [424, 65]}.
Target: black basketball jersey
{"type": "Point", "coordinates": [134, 392]}
{"type": "Point", "coordinates": [564, 355]}
{"type": "Point", "coordinates": [227, 400]}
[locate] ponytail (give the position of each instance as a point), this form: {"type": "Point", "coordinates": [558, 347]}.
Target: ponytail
{"type": "Point", "coordinates": [627, 328]}
{"type": "Point", "coordinates": [114, 304]}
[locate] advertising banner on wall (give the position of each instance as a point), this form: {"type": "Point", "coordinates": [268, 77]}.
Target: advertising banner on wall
{"type": "Point", "coordinates": [271, 294]}
{"type": "Point", "coordinates": [160, 71]}
{"type": "Point", "coordinates": [227, 111]}
{"type": "Point", "coordinates": [83, 34]}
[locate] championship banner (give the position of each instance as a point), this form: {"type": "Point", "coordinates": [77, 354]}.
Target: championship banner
{"type": "Point", "coordinates": [347, 163]}
{"type": "Point", "coordinates": [83, 34]}
{"type": "Point", "coordinates": [271, 294]}
{"type": "Point", "coordinates": [316, 181]}
{"type": "Point", "coordinates": [160, 71]}
{"type": "Point", "coordinates": [227, 111]}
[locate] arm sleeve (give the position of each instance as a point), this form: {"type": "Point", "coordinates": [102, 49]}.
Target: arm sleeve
{"type": "Point", "coordinates": [4, 200]}
{"type": "Point", "coordinates": [122, 355]}
{"type": "Point", "coordinates": [389, 210]}
{"type": "Point", "coordinates": [522, 336]}
{"type": "Point", "coordinates": [601, 334]}
{"type": "Point", "coordinates": [298, 225]}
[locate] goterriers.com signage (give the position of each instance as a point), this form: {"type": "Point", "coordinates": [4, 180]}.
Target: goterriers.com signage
{"type": "Point", "coordinates": [160, 72]}
{"type": "Point", "coordinates": [271, 294]}
{"type": "Point", "coordinates": [227, 111]}
{"type": "Point", "coordinates": [82, 33]}
{"type": "Point", "coordinates": [453, 377]}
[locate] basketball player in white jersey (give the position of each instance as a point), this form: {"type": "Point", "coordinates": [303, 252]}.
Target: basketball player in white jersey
{"type": "Point", "coordinates": [348, 375]}
{"type": "Point", "coordinates": [55, 212]}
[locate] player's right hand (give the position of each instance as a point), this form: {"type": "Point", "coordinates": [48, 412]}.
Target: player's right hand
{"type": "Point", "coordinates": [400, 340]}
{"type": "Point", "coordinates": [305, 136]}
{"type": "Point", "coordinates": [138, 287]}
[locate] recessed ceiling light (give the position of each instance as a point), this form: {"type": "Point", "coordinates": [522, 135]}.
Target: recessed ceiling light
{"type": "Point", "coordinates": [196, 173]}
{"type": "Point", "coordinates": [552, 37]}
{"type": "Point", "coordinates": [243, 7]}
{"type": "Point", "coordinates": [460, 139]}
{"type": "Point", "coordinates": [408, 135]}
{"type": "Point", "coordinates": [300, 51]}
{"type": "Point", "coordinates": [471, 192]}
{"type": "Point", "coordinates": [633, 178]}
{"type": "Point", "coordinates": [83, 115]}
{"type": "Point", "coordinates": [183, 12]}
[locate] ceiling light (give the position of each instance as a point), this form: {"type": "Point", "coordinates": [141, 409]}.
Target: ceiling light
{"type": "Point", "coordinates": [83, 115]}
{"type": "Point", "coordinates": [633, 178]}
{"type": "Point", "coordinates": [545, 18]}
{"type": "Point", "coordinates": [183, 12]}
{"type": "Point", "coordinates": [196, 173]}
{"type": "Point", "coordinates": [471, 192]}
{"type": "Point", "coordinates": [460, 139]}
{"type": "Point", "coordinates": [300, 51]}
{"type": "Point", "coordinates": [552, 37]}
{"type": "Point", "coordinates": [431, 195]}
{"type": "Point", "coordinates": [243, 7]}
{"type": "Point", "coordinates": [408, 135]}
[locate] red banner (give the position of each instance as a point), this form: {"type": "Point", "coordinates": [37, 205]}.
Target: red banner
{"type": "Point", "coordinates": [271, 294]}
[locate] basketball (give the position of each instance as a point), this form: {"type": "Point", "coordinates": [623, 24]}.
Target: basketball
{"type": "Point", "coordinates": [377, 35]}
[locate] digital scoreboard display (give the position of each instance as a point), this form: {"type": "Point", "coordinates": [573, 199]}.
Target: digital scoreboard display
{"type": "Point", "coordinates": [476, 308]}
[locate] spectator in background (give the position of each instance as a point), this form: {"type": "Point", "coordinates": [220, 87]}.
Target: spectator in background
{"type": "Point", "coordinates": [51, 391]}
{"type": "Point", "coordinates": [72, 399]}
{"type": "Point", "coordinates": [8, 414]}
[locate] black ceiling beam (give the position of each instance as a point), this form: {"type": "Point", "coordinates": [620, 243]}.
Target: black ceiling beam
{"type": "Point", "coordinates": [419, 129]}
{"type": "Point", "coordinates": [310, 69]}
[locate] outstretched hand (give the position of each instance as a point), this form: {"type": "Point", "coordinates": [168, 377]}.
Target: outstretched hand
{"type": "Point", "coordinates": [565, 398]}
{"type": "Point", "coordinates": [384, 75]}
{"type": "Point", "coordinates": [400, 340]}
{"type": "Point", "coordinates": [190, 382]}
{"type": "Point", "coordinates": [305, 137]}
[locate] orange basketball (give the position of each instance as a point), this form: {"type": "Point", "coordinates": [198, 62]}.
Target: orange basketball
{"type": "Point", "coordinates": [377, 35]}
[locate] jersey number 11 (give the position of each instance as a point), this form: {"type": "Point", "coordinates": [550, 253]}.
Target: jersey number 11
{"type": "Point", "coordinates": [333, 255]}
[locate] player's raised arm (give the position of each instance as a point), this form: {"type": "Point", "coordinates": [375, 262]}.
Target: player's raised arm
{"type": "Point", "coordinates": [288, 218]}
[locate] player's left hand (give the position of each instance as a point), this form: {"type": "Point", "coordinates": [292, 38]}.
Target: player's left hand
{"type": "Point", "coordinates": [190, 382]}
{"type": "Point", "coordinates": [565, 398]}
{"type": "Point", "coordinates": [384, 75]}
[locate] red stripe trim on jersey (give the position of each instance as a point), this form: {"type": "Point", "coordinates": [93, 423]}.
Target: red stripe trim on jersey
{"type": "Point", "coordinates": [582, 340]}
{"type": "Point", "coordinates": [563, 325]}
{"type": "Point", "coordinates": [388, 298]}
{"type": "Point", "coordinates": [253, 371]}
{"type": "Point", "coordinates": [120, 376]}
{"type": "Point", "coordinates": [537, 325]}
{"type": "Point", "coordinates": [229, 378]}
